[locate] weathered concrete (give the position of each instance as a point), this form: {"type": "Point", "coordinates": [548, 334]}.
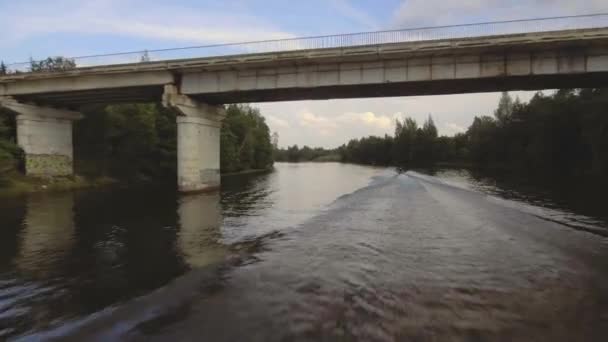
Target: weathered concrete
{"type": "Point", "coordinates": [570, 59]}
{"type": "Point", "coordinates": [542, 60]}
{"type": "Point", "coordinates": [198, 141]}
{"type": "Point", "coordinates": [45, 135]}
{"type": "Point", "coordinates": [451, 71]}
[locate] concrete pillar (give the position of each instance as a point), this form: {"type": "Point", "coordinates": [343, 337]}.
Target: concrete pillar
{"type": "Point", "coordinates": [198, 141]}
{"type": "Point", "coordinates": [45, 135]}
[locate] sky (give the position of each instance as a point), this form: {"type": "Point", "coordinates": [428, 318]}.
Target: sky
{"type": "Point", "coordinates": [41, 28]}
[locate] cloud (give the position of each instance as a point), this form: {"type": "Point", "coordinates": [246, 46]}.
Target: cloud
{"type": "Point", "coordinates": [276, 122]}
{"type": "Point", "coordinates": [136, 19]}
{"type": "Point", "coordinates": [367, 119]}
{"type": "Point", "coordinates": [454, 128]}
{"type": "Point", "coordinates": [333, 122]}
{"type": "Point", "coordinates": [346, 8]}
{"type": "Point", "coordinates": [412, 13]}
{"type": "Point", "coordinates": [345, 120]}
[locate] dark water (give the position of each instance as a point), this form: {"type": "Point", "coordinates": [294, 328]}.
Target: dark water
{"type": "Point", "coordinates": [310, 252]}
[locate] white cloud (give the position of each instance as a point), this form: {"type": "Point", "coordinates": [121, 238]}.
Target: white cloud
{"type": "Point", "coordinates": [454, 128]}
{"type": "Point", "coordinates": [347, 9]}
{"type": "Point", "coordinates": [276, 122]}
{"type": "Point", "coordinates": [413, 13]}
{"type": "Point", "coordinates": [333, 122]}
{"type": "Point", "coordinates": [178, 25]}
{"type": "Point", "coordinates": [367, 118]}
{"type": "Point", "coordinates": [341, 121]}
{"type": "Point", "coordinates": [308, 119]}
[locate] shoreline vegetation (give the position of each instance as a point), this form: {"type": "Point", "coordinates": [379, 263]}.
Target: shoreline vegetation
{"type": "Point", "coordinates": [131, 143]}
{"type": "Point", "coordinates": [134, 144]}
{"type": "Point", "coordinates": [14, 184]}
{"type": "Point", "coordinates": [565, 132]}
{"type": "Point", "coordinates": [562, 133]}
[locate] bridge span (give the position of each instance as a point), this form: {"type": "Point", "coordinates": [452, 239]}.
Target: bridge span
{"type": "Point", "coordinates": [48, 102]}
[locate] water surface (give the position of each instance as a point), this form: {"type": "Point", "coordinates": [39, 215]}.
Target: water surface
{"type": "Point", "coordinates": [308, 252]}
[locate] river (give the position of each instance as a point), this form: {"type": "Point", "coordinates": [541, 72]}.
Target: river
{"type": "Point", "coordinates": [310, 251]}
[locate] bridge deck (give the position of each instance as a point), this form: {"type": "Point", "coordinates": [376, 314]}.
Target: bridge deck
{"type": "Point", "coordinates": [144, 81]}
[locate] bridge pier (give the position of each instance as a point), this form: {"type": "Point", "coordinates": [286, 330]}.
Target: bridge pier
{"type": "Point", "coordinates": [198, 141]}
{"type": "Point", "coordinates": [45, 135]}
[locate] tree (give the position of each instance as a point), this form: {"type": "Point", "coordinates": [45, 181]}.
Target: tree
{"type": "Point", "coordinates": [481, 136]}
{"type": "Point", "coordinates": [405, 137]}
{"type": "Point", "coordinates": [245, 140]}
{"type": "Point", "coordinates": [275, 140]}
{"type": "Point", "coordinates": [145, 57]}
{"type": "Point", "coordinates": [52, 64]}
{"type": "Point", "coordinates": [426, 137]}
{"type": "Point", "coordinates": [10, 153]}
{"type": "Point", "coordinates": [3, 68]}
{"type": "Point", "coordinates": [504, 111]}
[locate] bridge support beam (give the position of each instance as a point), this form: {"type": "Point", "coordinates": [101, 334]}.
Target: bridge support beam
{"type": "Point", "coordinates": [45, 135]}
{"type": "Point", "coordinates": [198, 141]}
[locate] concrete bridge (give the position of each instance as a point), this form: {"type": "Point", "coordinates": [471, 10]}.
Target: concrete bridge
{"type": "Point", "coordinates": [48, 103]}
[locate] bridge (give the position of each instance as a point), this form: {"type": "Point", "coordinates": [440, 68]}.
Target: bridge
{"type": "Point", "coordinates": [546, 53]}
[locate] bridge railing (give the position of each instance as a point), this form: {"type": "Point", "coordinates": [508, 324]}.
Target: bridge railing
{"type": "Point", "coordinates": [537, 25]}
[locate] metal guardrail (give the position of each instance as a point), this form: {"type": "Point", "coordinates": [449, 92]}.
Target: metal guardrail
{"type": "Point", "coordinates": [537, 25]}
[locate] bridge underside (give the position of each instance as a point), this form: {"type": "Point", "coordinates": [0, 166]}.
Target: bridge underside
{"type": "Point", "coordinates": [420, 88]}
{"type": "Point", "coordinates": [79, 98]}
{"type": "Point", "coordinates": [76, 99]}
{"type": "Point", "coordinates": [47, 103]}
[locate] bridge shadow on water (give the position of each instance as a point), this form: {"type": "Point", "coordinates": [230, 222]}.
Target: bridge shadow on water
{"type": "Point", "coordinates": [65, 255]}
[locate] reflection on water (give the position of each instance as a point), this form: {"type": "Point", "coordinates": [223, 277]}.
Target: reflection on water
{"type": "Point", "coordinates": [47, 237]}
{"type": "Point", "coordinates": [199, 233]}
{"type": "Point", "coordinates": [66, 255]}
{"type": "Point", "coordinates": [340, 252]}
{"type": "Point", "coordinates": [576, 201]}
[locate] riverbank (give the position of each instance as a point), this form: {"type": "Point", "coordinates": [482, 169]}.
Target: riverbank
{"type": "Point", "coordinates": [247, 172]}
{"type": "Point", "coordinates": [14, 183]}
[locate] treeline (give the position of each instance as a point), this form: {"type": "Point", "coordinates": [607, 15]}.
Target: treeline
{"type": "Point", "coordinates": [10, 153]}
{"type": "Point", "coordinates": [47, 65]}
{"type": "Point", "coordinates": [139, 141]}
{"type": "Point", "coordinates": [245, 140]}
{"type": "Point", "coordinates": [295, 154]}
{"type": "Point", "coordinates": [563, 132]}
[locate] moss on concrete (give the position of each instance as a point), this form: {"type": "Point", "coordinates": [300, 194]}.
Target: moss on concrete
{"type": "Point", "coordinates": [48, 164]}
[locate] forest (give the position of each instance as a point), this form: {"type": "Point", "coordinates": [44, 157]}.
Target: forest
{"type": "Point", "coordinates": [566, 131]}
{"type": "Point", "coordinates": [138, 142]}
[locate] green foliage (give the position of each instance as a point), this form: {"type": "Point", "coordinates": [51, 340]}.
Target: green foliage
{"type": "Point", "coordinates": [3, 68]}
{"type": "Point", "coordinates": [482, 139]}
{"type": "Point", "coordinates": [504, 111]}
{"type": "Point", "coordinates": [565, 132]}
{"type": "Point", "coordinates": [52, 64]}
{"type": "Point", "coordinates": [139, 141]}
{"type": "Point", "coordinates": [10, 153]}
{"type": "Point", "coordinates": [245, 140]}
{"type": "Point", "coordinates": [127, 141]}
{"type": "Point", "coordinates": [305, 154]}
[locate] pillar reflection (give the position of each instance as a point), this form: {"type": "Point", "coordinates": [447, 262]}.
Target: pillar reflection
{"type": "Point", "coordinates": [199, 235]}
{"type": "Point", "coordinates": [48, 234]}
